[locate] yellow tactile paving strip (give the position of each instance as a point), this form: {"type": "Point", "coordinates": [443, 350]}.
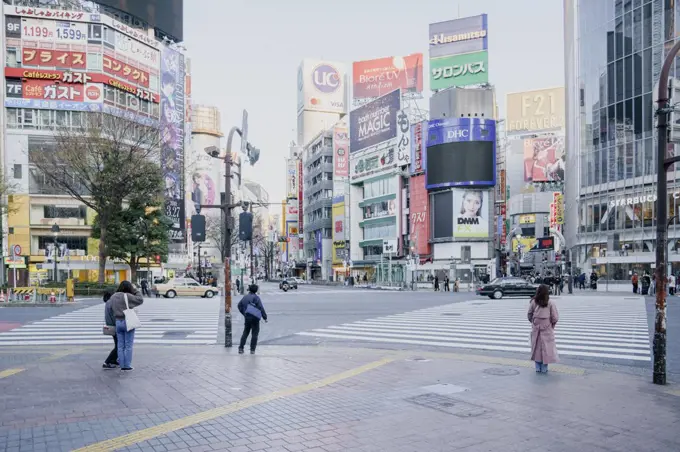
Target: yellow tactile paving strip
{"type": "Point", "coordinates": [178, 424]}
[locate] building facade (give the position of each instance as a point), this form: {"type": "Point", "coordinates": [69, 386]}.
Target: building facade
{"type": "Point", "coordinates": [63, 60]}
{"type": "Point", "coordinates": [614, 54]}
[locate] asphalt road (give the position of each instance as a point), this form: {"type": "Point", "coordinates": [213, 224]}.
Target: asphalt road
{"type": "Point", "coordinates": [602, 330]}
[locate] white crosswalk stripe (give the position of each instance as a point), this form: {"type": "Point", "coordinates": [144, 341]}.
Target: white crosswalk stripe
{"type": "Point", "coordinates": [596, 327]}
{"type": "Point", "coordinates": [321, 292]}
{"type": "Point", "coordinates": [177, 321]}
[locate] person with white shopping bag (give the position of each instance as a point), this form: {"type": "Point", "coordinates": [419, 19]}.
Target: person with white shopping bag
{"type": "Point", "coordinates": [123, 303]}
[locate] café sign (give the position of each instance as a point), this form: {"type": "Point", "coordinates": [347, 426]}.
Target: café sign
{"type": "Point", "coordinates": [632, 200]}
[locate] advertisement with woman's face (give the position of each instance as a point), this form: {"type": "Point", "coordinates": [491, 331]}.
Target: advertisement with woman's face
{"type": "Point", "coordinates": [470, 214]}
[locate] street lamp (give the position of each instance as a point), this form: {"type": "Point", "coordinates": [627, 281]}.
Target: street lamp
{"type": "Point", "coordinates": [55, 231]}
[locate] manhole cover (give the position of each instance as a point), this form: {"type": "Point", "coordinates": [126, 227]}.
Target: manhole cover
{"type": "Point", "coordinates": [419, 359]}
{"type": "Point", "coordinates": [176, 334]}
{"type": "Point", "coordinates": [448, 405]}
{"type": "Point", "coordinates": [162, 320]}
{"type": "Point", "coordinates": [452, 313]}
{"type": "Point", "coordinates": [478, 304]}
{"type": "Point", "coordinates": [501, 372]}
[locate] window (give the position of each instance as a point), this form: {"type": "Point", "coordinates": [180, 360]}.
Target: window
{"type": "Point", "coordinates": [17, 171]}
{"type": "Point", "coordinates": [144, 107]}
{"type": "Point", "coordinates": [94, 33]}
{"type": "Point", "coordinates": [109, 93]}
{"type": "Point", "coordinates": [12, 58]}
{"type": "Point", "coordinates": [62, 119]}
{"type": "Point", "coordinates": [28, 118]}
{"type": "Point", "coordinates": [153, 82]}
{"type": "Point", "coordinates": [109, 37]}
{"type": "Point", "coordinates": [380, 231]}
{"type": "Point", "coordinates": [155, 110]}
{"type": "Point", "coordinates": [64, 212]}
{"type": "Point", "coordinates": [94, 61]}
{"type": "Point", "coordinates": [12, 117]}
{"type": "Point", "coordinates": [72, 243]}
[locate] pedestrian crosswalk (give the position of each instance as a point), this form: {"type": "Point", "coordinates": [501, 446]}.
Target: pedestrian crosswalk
{"type": "Point", "coordinates": [318, 292]}
{"type": "Point", "coordinates": [593, 327]}
{"type": "Point", "coordinates": [178, 321]}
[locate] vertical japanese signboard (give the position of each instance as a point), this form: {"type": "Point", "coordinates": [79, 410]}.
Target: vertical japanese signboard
{"type": "Point", "coordinates": [172, 139]}
{"type": "Point", "coordinates": [341, 151]}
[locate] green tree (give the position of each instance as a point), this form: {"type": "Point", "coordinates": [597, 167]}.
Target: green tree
{"type": "Point", "coordinates": [107, 160]}
{"type": "Point", "coordinates": [139, 230]}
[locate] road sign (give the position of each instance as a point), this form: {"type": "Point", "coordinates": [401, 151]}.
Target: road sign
{"type": "Point", "coordinates": [17, 250]}
{"type": "Point", "coordinates": [244, 132]}
{"type": "Point", "coordinates": [390, 246]}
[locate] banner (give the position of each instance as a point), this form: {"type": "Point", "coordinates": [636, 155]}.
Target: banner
{"type": "Point", "coordinates": [338, 230]}
{"type": "Point", "coordinates": [300, 206]}
{"type": "Point", "coordinates": [341, 151]}
{"type": "Point", "coordinates": [470, 214]}
{"type": "Point", "coordinates": [418, 147]}
{"type": "Point", "coordinates": [374, 122]}
{"type": "Point", "coordinates": [419, 215]}
{"type": "Point", "coordinates": [321, 86]}
{"type": "Point", "coordinates": [544, 159]}
{"type": "Point", "coordinates": [459, 70]}
{"type": "Point", "coordinates": [318, 236]}
{"type": "Point", "coordinates": [373, 163]}
{"type": "Point", "coordinates": [293, 245]}
{"type": "Point", "coordinates": [534, 111]}
{"type": "Point", "coordinates": [172, 139]}
{"type": "Point", "coordinates": [527, 219]}
{"type": "Point", "coordinates": [374, 78]}
{"type": "Point", "coordinates": [558, 200]}
{"type": "Point", "coordinates": [291, 179]}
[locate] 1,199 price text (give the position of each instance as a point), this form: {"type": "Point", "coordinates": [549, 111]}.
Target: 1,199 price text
{"type": "Point", "coordinates": [37, 31]}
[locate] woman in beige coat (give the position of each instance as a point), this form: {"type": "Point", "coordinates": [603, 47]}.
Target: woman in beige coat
{"type": "Point", "coordinates": [543, 317]}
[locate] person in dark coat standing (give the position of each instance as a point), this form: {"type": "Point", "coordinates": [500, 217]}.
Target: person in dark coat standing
{"type": "Point", "coordinates": [145, 288]}
{"type": "Point", "coordinates": [117, 303]}
{"type": "Point", "coordinates": [447, 287]}
{"type": "Point", "coordinates": [436, 283]}
{"type": "Point", "coordinates": [252, 310]}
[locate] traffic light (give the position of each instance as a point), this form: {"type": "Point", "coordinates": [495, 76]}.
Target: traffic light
{"type": "Point", "coordinates": [198, 228]}
{"type": "Point", "coordinates": [245, 226]}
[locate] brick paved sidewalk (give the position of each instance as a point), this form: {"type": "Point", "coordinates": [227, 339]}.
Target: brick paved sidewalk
{"type": "Point", "coordinates": [288, 399]}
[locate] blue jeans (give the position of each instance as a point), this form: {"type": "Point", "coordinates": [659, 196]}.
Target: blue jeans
{"type": "Point", "coordinates": [125, 340]}
{"type": "Point", "coordinates": [540, 367]}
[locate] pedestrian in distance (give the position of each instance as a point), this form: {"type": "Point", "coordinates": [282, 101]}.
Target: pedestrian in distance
{"type": "Point", "coordinates": [671, 284]}
{"type": "Point", "coordinates": [635, 280]}
{"type": "Point", "coordinates": [126, 297]}
{"type": "Point", "coordinates": [436, 283]}
{"type": "Point", "coordinates": [111, 361]}
{"type": "Point", "coordinates": [253, 311]}
{"type": "Point", "coordinates": [543, 317]}
{"type": "Point", "coordinates": [447, 287]}
{"type": "Point", "coordinates": [145, 288]}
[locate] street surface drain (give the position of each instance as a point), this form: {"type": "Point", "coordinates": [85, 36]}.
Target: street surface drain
{"type": "Point", "coordinates": [448, 405]}
{"type": "Point", "coordinates": [501, 372]}
{"type": "Point", "coordinates": [162, 320]}
{"type": "Point", "coordinates": [478, 304]}
{"type": "Point", "coordinates": [443, 389]}
{"type": "Point", "coordinates": [451, 313]}
{"type": "Point", "coordinates": [419, 359]}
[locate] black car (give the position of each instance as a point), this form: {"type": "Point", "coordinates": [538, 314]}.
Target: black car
{"type": "Point", "coordinates": [288, 283]}
{"type": "Point", "coordinates": [508, 287]}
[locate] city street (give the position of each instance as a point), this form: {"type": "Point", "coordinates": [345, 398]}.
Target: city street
{"type": "Point", "coordinates": [339, 369]}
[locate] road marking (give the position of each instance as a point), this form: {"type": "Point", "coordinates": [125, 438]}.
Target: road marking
{"type": "Point", "coordinates": [9, 372]}
{"type": "Point", "coordinates": [179, 424]}
{"type": "Point", "coordinates": [675, 392]}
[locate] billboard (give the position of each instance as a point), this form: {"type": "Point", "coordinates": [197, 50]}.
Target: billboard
{"type": "Point", "coordinates": [419, 215]}
{"type": "Point", "coordinates": [374, 122]}
{"type": "Point", "coordinates": [470, 214]}
{"type": "Point", "coordinates": [454, 37]}
{"type": "Point", "coordinates": [318, 238]}
{"type": "Point", "coordinates": [340, 151]}
{"type": "Point", "coordinates": [291, 179]}
{"type": "Point", "coordinates": [374, 78]}
{"type": "Point", "coordinates": [321, 86]}
{"type": "Point", "coordinates": [544, 159]}
{"type": "Point", "coordinates": [461, 152]}
{"type": "Point", "coordinates": [379, 160]}
{"type": "Point", "coordinates": [418, 131]}
{"type": "Point", "coordinates": [459, 70]}
{"type": "Point", "coordinates": [205, 181]}
{"type": "Point", "coordinates": [53, 58]}
{"type": "Point", "coordinates": [293, 244]}
{"type": "Point", "coordinates": [534, 111]}
{"type": "Point", "coordinates": [300, 205]}
{"type": "Point", "coordinates": [339, 246]}
{"type": "Point", "coordinates": [172, 139]}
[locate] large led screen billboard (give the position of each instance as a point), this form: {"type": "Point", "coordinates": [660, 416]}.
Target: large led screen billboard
{"type": "Point", "coordinates": [544, 159]}
{"type": "Point", "coordinates": [461, 152]}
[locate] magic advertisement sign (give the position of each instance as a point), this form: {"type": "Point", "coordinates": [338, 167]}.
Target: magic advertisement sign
{"type": "Point", "coordinates": [375, 122]}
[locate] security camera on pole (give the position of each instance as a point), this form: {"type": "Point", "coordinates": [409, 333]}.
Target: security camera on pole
{"type": "Point", "coordinates": [198, 233]}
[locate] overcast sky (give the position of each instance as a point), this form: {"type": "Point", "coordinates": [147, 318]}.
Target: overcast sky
{"type": "Point", "coordinates": [245, 54]}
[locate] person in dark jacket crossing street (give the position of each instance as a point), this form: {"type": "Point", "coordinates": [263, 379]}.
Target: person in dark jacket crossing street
{"type": "Point", "coordinates": [252, 310]}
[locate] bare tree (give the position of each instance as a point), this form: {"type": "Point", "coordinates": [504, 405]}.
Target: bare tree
{"type": "Point", "coordinates": [101, 164]}
{"type": "Point", "coordinates": [215, 232]}
{"type": "Point", "coordinates": [263, 247]}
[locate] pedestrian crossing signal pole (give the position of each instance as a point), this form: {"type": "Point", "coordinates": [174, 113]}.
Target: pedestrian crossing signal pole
{"type": "Point", "coordinates": [663, 165]}
{"type": "Point", "coordinates": [253, 155]}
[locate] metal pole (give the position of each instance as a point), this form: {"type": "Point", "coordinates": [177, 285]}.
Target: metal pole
{"type": "Point", "coordinates": [226, 209]}
{"type": "Point", "coordinates": [659, 343]}
{"type": "Point", "coordinates": [56, 256]}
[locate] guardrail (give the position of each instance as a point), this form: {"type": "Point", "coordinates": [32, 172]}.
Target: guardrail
{"type": "Point", "coordinates": [33, 295]}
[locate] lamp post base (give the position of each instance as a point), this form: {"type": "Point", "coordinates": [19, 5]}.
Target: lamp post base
{"type": "Point", "coordinates": [227, 330]}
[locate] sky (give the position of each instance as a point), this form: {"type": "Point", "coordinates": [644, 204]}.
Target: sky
{"type": "Point", "coordinates": [245, 54]}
